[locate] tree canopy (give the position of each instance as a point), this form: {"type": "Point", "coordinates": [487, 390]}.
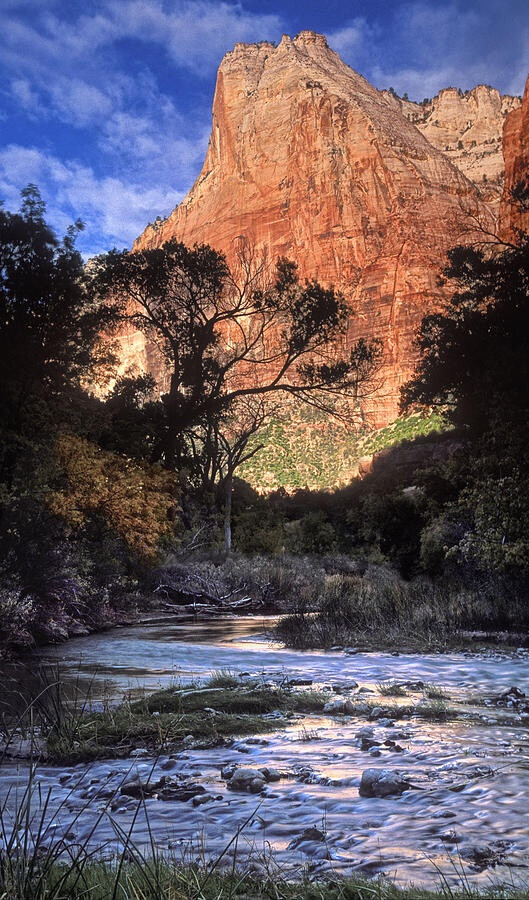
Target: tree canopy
{"type": "Point", "coordinates": [226, 334]}
{"type": "Point", "coordinates": [475, 365]}
{"type": "Point", "coordinates": [50, 327]}
{"type": "Point", "coordinates": [475, 354]}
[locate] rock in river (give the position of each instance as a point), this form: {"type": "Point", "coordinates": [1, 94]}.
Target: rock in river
{"type": "Point", "coordinates": [382, 783]}
{"type": "Point", "coordinates": [250, 780]}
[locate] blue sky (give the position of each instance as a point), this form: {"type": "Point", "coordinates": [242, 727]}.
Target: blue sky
{"type": "Point", "coordinates": [106, 104]}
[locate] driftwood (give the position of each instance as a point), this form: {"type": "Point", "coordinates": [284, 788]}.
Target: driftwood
{"type": "Point", "coordinates": [243, 605]}
{"type": "Point", "coordinates": [186, 588]}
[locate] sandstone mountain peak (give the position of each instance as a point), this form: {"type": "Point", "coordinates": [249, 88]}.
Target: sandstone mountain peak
{"type": "Point", "coordinates": [309, 160]}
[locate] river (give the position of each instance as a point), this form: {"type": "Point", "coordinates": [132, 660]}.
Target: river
{"type": "Point", "coordinates": [466, 816]}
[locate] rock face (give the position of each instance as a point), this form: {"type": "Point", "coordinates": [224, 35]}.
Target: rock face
{"type": "Point", "coordinates": [516, 154]}
{"type": "Point", "coordinates": [468, 128]}
{"type": "Point", "coordinates": [309, 160]}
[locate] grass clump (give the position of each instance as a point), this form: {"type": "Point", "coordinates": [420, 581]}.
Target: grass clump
{"type": "Point", "coordinates": [252, 700]}
{"type": "Point", "coordinates": [159, 879]}
{"type": "Point", "coordinates": [209, 715]}
{"type": "Point", "coordinates": [115, 733]}
{"type": "Point", "coordinates": [391, 689]}
{"type": "Point", "coordinates": [223, 678]}
{"type": "Point", "coordinates": [435, 711]}
{"type": "Point", "coordinates": [434, 692]}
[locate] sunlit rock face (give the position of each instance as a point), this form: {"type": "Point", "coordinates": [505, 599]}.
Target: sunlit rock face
{"type": "Point", "coordinates": [468, 128]}
{"type": "Point", "coordinates": [516, 154]}
{"type": "Point", "coordinates": [310, 161]}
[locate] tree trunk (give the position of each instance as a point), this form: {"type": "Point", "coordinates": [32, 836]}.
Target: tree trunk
{"type": "Point", "coordinates": [172, 424]}
{"type": "Point", "coordinates": [228, 488]}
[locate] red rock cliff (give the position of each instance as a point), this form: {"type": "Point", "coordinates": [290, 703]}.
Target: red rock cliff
{"type": "Point", "coordinates": [308, 159]}
{"type": "Point", "coordinates": [516, 156]}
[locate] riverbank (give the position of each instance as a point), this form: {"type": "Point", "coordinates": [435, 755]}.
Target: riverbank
{"type": "Point", "coordinates": [383, 612]}
{"type": "Point", "coordinates": [324, 601]}
{"type": "Point", "coordinates": [154, 878]}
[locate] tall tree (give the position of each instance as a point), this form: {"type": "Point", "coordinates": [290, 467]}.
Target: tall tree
{"type": "Point", "coordinates": [220, 445]}
{"type": "Point", "coordinates": [50, 326]}
{"type": "Point", "coordinates": [225, 335]}
{"type": "Point", "coordinates": [475, 354]}
{"type": "Point", "coordinates": [475, 365]}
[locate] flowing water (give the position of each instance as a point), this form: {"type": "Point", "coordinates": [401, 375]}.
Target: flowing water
{"type": "Point", "coordinates": [465, 817]}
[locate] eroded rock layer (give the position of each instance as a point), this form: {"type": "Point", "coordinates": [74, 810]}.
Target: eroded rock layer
{"type": "Point", "coordinates": [309, 160]}
{"type": "Point", "coordinates": [468, 128]}
{"type": "Point", "coordinates": [516, 153]}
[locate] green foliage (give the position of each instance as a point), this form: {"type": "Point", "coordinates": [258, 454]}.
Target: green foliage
{"type": "Point", "coordinates": [307, 448]}
{"type": "Point", "coordinates": [475, 355]}
{"type": "Point", "coordinates": [496, 501]}
{"type": "Point", "coordinates": [134, 500]}
{"type": "Point", "coordinates": [406, 428]}
{"type": "Point", "coordinates": [50, 330]}
{"type": "Point", "coordinates": [61, 569]}
{"type": "Point", "coordinates": [475, 364]}
{"type": "Point", "coordinates": [312, 534]}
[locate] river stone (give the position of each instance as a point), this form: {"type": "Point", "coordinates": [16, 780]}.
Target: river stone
{"type": "Point", "coordinates": [365, 731]}
{"type": "Point", "coordinates": [487, 855]}
{"type": "Point", "coordinates": [344, 707]}
{"type": "Point", "coordinates": [340, 687]}
{"type": "Point", "coordinates": [367, 743]}
{"type": "Point", "coordinates": [270, 774]}
{"type": "Point", "coordinates": [200, 799]}
{"type": "Point", "coordinates": [182, 792]}
{"type": "Point", "coordinates": [250, 780]}
{"type": "Point", "coordinates": [479, 772]}
{"type": "Point", "coordinates": [382, 783]}
{"type": "Point", "coordinates": [513, 693]}
{"type": "Point", "coordinates": [393, 746]}
{"type": "Point", "coordinates": [137, 789]}
{"type": "Point", "coordinates": [314, 835]}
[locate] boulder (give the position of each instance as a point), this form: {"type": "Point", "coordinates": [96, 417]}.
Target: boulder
{"type": "Point", "coordinates": [382, 783]}
{"type": "Point", "coordinates": [251, 781]}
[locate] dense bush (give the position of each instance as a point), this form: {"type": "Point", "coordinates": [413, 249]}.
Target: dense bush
{"type": "Point", "coordinates": [382, 610]}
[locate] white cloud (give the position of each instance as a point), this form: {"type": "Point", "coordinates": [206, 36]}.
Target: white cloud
{"type": "Point", "coordinates": [427, 45]}
{"type": "Point", "coordinates": [114, 211]}
{"type": "Point", "coordinates": [194, 33]}
{"type": "Point", "coordinates": [79, 103]}
{"type": "Point", "coordinates": [25, 96]}
{"type": "Point", "coordinates": [354, 37]}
